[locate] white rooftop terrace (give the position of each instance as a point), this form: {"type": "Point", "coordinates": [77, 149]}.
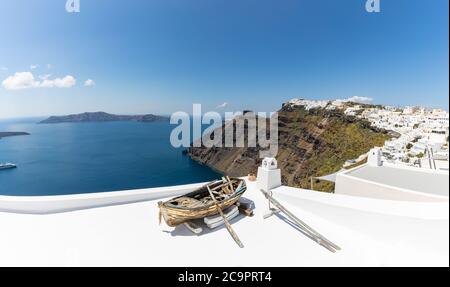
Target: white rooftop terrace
{"type": "Point", "coordinates": [413, 179]}
{"type": "Point", "coordinates": [371, 232]}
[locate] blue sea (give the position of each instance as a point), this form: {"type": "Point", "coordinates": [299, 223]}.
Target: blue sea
{"type": "Point", "coordinates": [70, 158]}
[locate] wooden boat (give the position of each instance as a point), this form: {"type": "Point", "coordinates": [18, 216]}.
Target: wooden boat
{"type": "Point", "coordinates": [199, 203]}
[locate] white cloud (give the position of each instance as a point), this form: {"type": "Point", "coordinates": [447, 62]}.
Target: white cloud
{"type": "Point", "coordinates": [222, 106]}
{"type": "Point", "coordinates": [45, 77]}
{"type": "Point", "coordinates": [20, 80]}
{"type": "Point", "coordinates": [358, 99]}
{"type": "Point", "coordinates": [89, 83]}
{"type": "Point", "coordinates": [26, 80]}
{"type": "Point", "coordinates": [66, 82]}
{"type": "Point", "coordinates": [32, 67]}
{"type": "Point", "coordinates": [3, 68]}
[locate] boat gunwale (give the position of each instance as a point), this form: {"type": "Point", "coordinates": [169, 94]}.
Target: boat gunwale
{"type": "Point", "coordinates": [184, 208]}
{"type": "Point", "coordinates": [237, 194]}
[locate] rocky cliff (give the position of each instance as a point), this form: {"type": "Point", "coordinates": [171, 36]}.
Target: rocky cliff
{"type": "Point", "coordinates": [102, 117]}
{"type": "Point", "coordinates": [312, 142]}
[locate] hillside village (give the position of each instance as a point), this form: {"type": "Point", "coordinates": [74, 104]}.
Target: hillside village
{"type": "Point", "coordinates": [422, 134]}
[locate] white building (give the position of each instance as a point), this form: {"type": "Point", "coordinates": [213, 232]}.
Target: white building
{"type": "Point", "coordinates": [378, 179]}
{"type": "Point", "coordinates": [309, 104]}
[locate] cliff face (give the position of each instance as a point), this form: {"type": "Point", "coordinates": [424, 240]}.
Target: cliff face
{"type": "Point", "coordinates": [312, 142]}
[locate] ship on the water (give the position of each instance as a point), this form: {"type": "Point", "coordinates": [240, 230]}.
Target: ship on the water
{"type": "Point", "coordinates": [7, 165]}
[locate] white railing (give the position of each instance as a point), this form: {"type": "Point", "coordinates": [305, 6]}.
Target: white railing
{"type": "Point", "coordinates": [64, 203]}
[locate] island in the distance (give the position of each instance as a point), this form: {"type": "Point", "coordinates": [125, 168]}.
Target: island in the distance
{"type": "Point", "coordinates": [11, 134]}
{"type": "Point", "coordinates": [102, 117]}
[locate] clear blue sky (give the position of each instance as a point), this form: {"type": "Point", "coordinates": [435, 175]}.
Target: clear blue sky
{"type": "Point", "coordinates": [161, 56]}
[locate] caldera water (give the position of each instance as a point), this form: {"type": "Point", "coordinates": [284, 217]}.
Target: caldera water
{"type": "Point", "coordinates": [71, 158]}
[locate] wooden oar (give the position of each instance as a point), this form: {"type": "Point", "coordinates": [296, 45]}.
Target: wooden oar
{"type": "Point", "coordinates": [311, 233]}
{"type": "Point", "coordinates": [225, 220]}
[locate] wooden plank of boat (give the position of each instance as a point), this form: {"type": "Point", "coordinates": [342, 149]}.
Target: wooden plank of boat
{"type": "Point", "coordinates": [218, 187]}
{"type": "Point", "coordinates": [240, 185]}
{"type": "Point", "coordinates": [247, 202]}
{"type": "Point", "coordinates": [246, 206]}
{"type": "Point", "coordinates": [216, 220]}
{"type": "Point", "coordinates": [245, 210]}
{"type": "Point", "coordinates": [227, 224]}
{"type": "Point", "coordinates": [196, 229]}
{"type": "Point", "coordinates": [230, 184]}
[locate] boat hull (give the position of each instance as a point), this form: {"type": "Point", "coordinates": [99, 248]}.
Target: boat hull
{"type": "Point", "coordinates": [174, 216]}
{"type": "Point", "coordinates": [8, 166]}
